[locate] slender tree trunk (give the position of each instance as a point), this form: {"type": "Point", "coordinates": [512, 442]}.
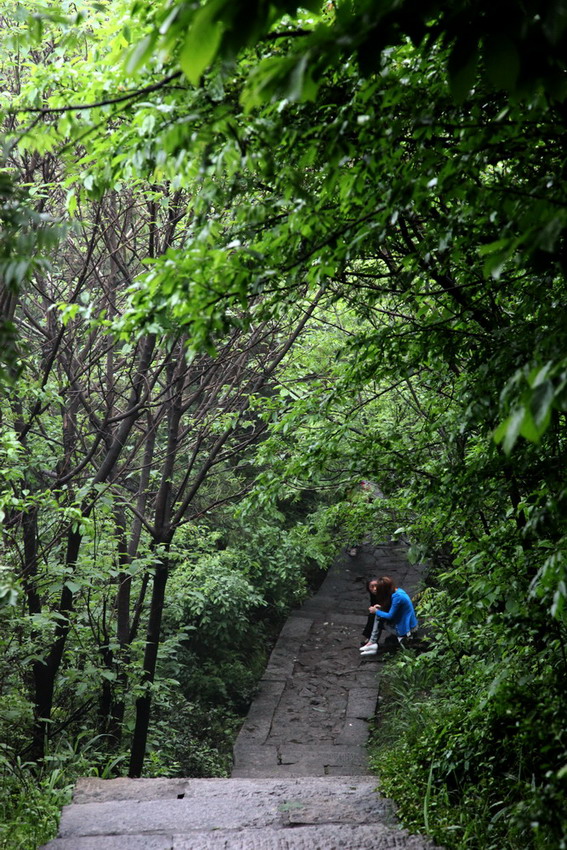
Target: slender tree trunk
{"type": "Point", "coordinates": [163, 534]}
{"type": "Point", "coordinates": [143, 703]}
{"type": "Point", "coordinates": [45, 671]}
{"type": "Point", "coordinates": [111, 706]}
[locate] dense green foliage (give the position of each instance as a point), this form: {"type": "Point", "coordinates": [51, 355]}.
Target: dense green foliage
{"type": "Point", "coordinates": [305, 248]}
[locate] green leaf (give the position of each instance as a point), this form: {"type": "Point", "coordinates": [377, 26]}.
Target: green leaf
{"type": "Point", "coordinates": [300, 85]}
{"type": "Point", "coordinates": [71, 202]}
{"type": "Point", "coordinates": [462, 71]}
{"type": "Point", "coordinates": [141, 53]}
{"type": "Point", "coordinates": [501, 61]}
{"type": "Point", "coordinates": [540, 404]}
{"type": "Point", "coordinates": [499, 253]}
{"type": "Point", "coordinates": [202, 40]}
{"type": "Point", "coordinates": [509, 430]}
{"type": "Point", "coordinates": [528, 428]}
{"type": "Point", "coordinates": [539, 374]}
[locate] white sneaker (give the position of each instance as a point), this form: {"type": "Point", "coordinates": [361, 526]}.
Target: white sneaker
{"type": "Point", "coordinates": [369, 649]}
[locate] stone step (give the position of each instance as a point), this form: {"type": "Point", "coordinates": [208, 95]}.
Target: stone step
{"type": "Point", "coordinates": [232, 814]}
{"type": "Point", "coordinates": [91, 790]}
{"type": "Point", "coordinates": [288, 759]}
{"type": "Point", "coordinates": [294, 837]}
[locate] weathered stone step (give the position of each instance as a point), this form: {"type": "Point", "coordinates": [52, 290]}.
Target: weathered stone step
{"type": "Point", "coordinates": [264, 794]}
{"type": "Point", "coordinates": [233, 814]}
{"type": "Point", "coordinates": [338, 837]}
{"type": "Point", "coordinates": [301, 760]}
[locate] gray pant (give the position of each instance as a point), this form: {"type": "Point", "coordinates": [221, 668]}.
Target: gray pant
{"type": "Point", "coordinates": [380, 625]}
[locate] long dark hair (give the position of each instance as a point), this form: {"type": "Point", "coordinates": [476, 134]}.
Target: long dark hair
{"type": "Point", "coordinates": [384, 591]}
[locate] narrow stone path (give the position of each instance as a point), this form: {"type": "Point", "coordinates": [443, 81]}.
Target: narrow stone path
{"type": "Point", "coordinates": [300, 779]}
{"type": "Point", "coordinates": [311, 715]}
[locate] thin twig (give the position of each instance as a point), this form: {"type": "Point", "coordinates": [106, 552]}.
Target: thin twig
{"type": "Point", "coordinates": [47, 110]}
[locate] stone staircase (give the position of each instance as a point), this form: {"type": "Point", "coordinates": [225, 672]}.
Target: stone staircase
{"type": "Point", "coordinates": [231, 814]}
{"type": "Point", "coordinates": [300, 779]}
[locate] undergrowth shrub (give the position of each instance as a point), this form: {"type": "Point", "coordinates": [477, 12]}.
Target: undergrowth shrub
{"type": "Point", "coordinates": [228, 594]}
{"type": "Point", "coordinates": [30, 806]}
{"type": "Point", "coordinates": [469, 751]}
{"type": "Point", "coordinates": [192, 739]}
{"type": "Point", "coordinates": [32, 795]}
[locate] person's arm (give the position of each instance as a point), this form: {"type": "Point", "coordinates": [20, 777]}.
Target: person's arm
{"type": "Point", "coordinates": [391, 614]}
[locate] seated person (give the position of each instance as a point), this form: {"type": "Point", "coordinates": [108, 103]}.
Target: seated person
{"type": "Point", "coordinates": [399, 613]}
{"type": "Point", "coordinates": [383, 600]}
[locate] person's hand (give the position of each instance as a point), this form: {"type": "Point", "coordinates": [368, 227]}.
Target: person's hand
{"type": "Point", "coordinates": [373, 608]}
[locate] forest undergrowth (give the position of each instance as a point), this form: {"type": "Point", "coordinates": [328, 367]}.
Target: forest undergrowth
{"type": "Point", "coordinates": [218, 632]}
{"type": "Point", "coordinates": [463, 742]}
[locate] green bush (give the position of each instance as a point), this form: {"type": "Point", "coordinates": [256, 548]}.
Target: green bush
{"type": "Point", "coordinates": [32, 795]}
{"type": "Point", "coordinates": [192, 739]}
{"type": "Point", "coordinates": [30, 807]}
{"type": "Point", "coordinates": [473, 756]}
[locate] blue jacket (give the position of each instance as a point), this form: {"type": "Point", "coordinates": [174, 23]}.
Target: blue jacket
{"type": "Point", "coordinates": [401, 613]}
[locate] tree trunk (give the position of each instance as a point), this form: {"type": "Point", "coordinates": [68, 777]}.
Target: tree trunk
{"type": "Point", "coordinates": [143, 703]}
{"type": "Point", "coordinates": [45, 671]}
